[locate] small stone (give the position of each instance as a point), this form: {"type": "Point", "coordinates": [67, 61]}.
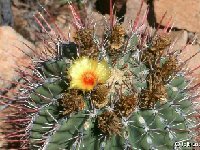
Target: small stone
{"type": "Point", "coordinates": [179, 38]}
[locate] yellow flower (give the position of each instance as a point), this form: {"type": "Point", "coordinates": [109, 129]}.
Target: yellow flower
{"type": "Point", "coordinates": [86, 73]}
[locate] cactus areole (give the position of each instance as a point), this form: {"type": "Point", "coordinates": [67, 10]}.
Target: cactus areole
{"type": "Point", "coordinates": [125, 90]}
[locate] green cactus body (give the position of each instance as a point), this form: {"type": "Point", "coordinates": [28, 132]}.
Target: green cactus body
{"type": "Point", "coordinates": [116, 114]}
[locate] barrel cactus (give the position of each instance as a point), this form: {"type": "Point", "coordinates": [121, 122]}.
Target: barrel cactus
{"type": "Point", "coordinates": [124, 90]}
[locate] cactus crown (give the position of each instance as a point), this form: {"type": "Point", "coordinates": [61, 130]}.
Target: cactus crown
{"type": "Point", "coordinates": [122, 91]}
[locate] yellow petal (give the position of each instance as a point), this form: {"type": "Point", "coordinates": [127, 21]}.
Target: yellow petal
{"type": "Point", "coordinates": [85, 73]}
{"type": "Point", "coordinates": [103, 71]}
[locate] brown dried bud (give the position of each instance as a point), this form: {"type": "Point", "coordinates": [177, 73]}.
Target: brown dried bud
{"type": "Point", "coordinates": [155, 91]}
{"type": "Point", "coordinates": [148, 98]}
{"type": "Point", "coordinates": [126, 105]}
{"type": "Point", "coordinates": [72, 102]}
{"type": "Point", "coordinates": [84, 37]}
{"type": "Point", "coordinates": [154, 52]}
{"type": "Point", "coordinates": [99, 96]}
{"type": "Point", "coordinates": [117, 37]}
{"type": "Point", "coordinates": [160, 43]}
{"type": "Point", "coordinates": [169, 68]}
{"type": "Point", "coordinates": [116, 40]}
{"type": "Point", "coordinates": [109, 123]}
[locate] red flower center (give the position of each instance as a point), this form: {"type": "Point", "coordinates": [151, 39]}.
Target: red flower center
{"type": "Point", "coordinates": [89, 78]}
